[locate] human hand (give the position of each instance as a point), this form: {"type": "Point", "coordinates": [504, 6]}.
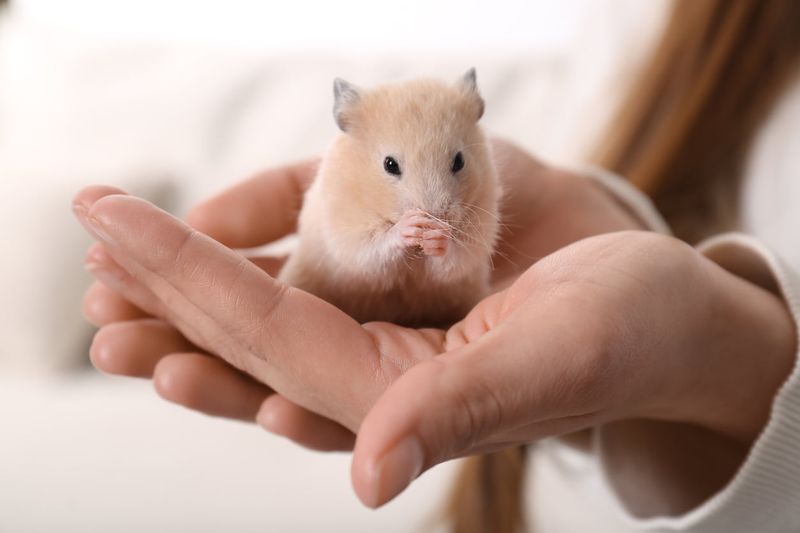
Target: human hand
{"type": "Point", "coordinates": [612, 327]}
{"type": "Point", "coordinates": [134, 339]}
{"type": "Point", "coordinates": [543, 209]}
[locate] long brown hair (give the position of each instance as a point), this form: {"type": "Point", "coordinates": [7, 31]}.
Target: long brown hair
{"type": "Point", "coordinates": [683, 133]}
{"type": "Point", "coordinates": [682, 136]}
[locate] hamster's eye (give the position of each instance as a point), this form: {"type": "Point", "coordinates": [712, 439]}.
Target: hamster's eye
{"type": "Point", "coordinates": [458, 162]}
{"type": "Point", "coordinates": [391, 166]}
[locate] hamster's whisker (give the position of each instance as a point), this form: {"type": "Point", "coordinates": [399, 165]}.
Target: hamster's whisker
{"type": "Point", "coordinates": [502, 225]}
{"type": "Point", "coordinates": [476, 236]}
{"type": "Point", "coordinates": [467, 147]}
{"type": "Point", "coordinates": [464, 239]}
{"type": "Point", "coordinates": [506, 258]}
{"type": "Point", "coordinates": [496, 248]}
{"type": "Point", "coordinates": [470, 250]}
{"type": "Point", "coordinates": [474, 207]}
{"type": "Point", "coordinates": [446, 223]}
{"type": "Point", "coordinates": [501, 239]}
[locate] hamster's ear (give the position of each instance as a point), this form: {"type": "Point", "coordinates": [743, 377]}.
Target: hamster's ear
{"type": "Point", "coordinates": [468, 84]}
{"type": "Point", "coordinates": [345, 97]}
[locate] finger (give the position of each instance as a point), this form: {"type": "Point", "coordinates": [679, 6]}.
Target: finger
{"type": "Point", "coordinates": [257, 211]}
{"type": "Point", "coordinates": [287, 338]}
{"type": "Point", "coordinates": [119, 296]}
{"type": "Point", "coordinates": [102, 305]}
{"type": "Point", "coordinates": [209, 385]}
{"type": "Point", "coordinates": [133, 348]}
{"type": "Point", "coordinates": [522, 380]}
{"type": "Point", "coordinates": [386, 458]}
{"type": "Point", "coordinates": [105, 269]}
{"type": "Point", "coordinates": [279, 415]}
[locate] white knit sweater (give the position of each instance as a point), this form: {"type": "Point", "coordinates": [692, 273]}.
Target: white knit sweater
{"type": "Point", "coordinates": [569, 489]}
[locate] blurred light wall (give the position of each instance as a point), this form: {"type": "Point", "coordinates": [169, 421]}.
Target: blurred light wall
{"type": "Point", "coordinates": [342, 26]}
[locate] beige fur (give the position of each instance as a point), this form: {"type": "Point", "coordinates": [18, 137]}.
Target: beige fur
{"type": "Point", "coordinates": [350, 253]}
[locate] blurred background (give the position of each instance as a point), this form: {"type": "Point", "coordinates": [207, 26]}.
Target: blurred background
{"type": "Point", "coordinates": [174, 100]}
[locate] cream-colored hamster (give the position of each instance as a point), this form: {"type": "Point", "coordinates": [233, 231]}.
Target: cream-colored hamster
{"type": "Point", "coordinates": [401, 220]}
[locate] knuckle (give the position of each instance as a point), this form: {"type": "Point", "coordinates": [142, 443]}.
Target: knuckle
{"type": "Point", "coordinates": [182, 250]}
{"type": "Point", "coordinates": [257, 333]}
{"type": "Point", "coordinates": [592, 376]}
{"type": "Point", "coordinates": [475, 406]}
{"type": "Point", "coordinates": [174, 257]}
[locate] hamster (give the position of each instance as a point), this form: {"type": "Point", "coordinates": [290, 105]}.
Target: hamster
{"type": "Point", "coordinates": [401, 221]}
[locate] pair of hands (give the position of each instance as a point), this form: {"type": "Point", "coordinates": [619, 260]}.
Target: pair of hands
{"type": "Point", "coordinates": [581, 331]}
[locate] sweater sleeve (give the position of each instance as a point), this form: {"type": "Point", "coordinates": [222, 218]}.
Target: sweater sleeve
{"type": "Point", "coordinates": [764, 495]}
{"type": "Point", "coordinates": [630, 197]}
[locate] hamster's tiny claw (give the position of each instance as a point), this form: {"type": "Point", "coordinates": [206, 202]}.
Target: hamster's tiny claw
{"type": "Point", "coordinates": [410, 242]}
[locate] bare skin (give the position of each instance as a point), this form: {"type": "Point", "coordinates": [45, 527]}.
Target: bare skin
{"type": "Point", "coordinates": [610, 330]}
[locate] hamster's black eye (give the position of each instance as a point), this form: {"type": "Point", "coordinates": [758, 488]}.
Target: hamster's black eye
{"type": "Point", "coordinates": [391, 166]}
{"type": "Point", "coordinates": [458, 162]}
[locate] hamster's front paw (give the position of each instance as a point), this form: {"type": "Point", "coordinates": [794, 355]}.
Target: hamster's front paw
{"type": "Point", "coordinates": [435, 241]}
{"type": "Point", "coordinates": [421, 231]}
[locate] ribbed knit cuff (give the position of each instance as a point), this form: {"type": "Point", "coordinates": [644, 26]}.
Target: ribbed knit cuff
{"type": "Point", "coordinates": [632, 198]}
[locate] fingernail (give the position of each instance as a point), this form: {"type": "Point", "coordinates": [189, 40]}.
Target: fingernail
{"type": "Point", "coordinates": [397, 469]}
{"type": "Point", "coordinates": [99, 231]}
{"type": "Point", "coordinates": [91, 224]}
{"type": "Point", "coordinates": [96, 256]}
{"type": "Point", "coordinates": [108, 277]}
{"type": "Point", "coordinates": [79, 209]}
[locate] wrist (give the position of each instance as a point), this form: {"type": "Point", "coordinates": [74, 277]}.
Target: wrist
{"type": "Point", "coordinates": [745, 350]}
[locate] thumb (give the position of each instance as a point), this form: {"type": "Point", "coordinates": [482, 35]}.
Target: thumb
{"type": "Point", "coordinates": [443, 408]}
